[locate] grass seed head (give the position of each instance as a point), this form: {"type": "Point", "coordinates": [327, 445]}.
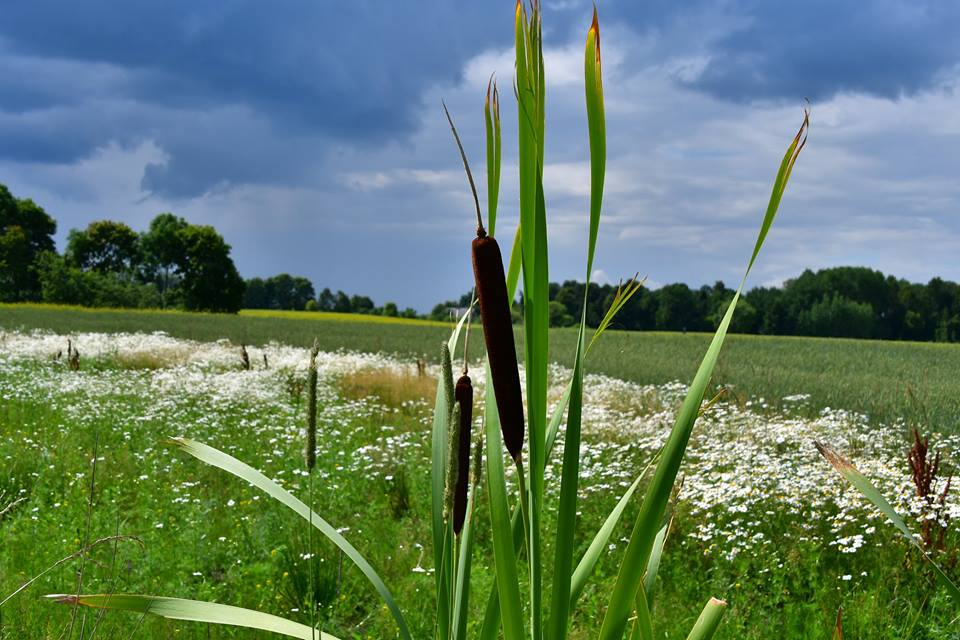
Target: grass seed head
{"type": "Point", "coordinates": [452, 462]}
{"type": "Point", "coordinates": [310, 447]}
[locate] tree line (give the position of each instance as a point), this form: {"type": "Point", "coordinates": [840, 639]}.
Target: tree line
{"type": "Point", "coordinates": [287, 292]}
{"type": "Point", "coordinates": [842, 302]}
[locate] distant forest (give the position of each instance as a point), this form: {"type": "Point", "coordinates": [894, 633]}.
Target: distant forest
{"type": "Point", "coordinates": [842, 302]}
{"type": "Point", "coordinates": [176, 264]}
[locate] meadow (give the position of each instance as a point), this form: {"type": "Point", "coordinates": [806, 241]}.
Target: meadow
{"type": "Point", "coordinates": [760, 517]}
{"type": "Point", "coordinates": [890, 382]}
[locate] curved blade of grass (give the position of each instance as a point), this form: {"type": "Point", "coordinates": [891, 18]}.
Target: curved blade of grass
{"type": "Point", "coordinates": [501, 529]}
{"type": "Point", "coordinates": [558, 623]}
{"type": "Point", "coordinates": [216, 458]}
{"type": "Point", "coordinates": [709, 620]}
{"type": "Point", "coordinates": [438, 471]}
{"type": "Point", "coordinates": [860, 482]}
{"type": "Point", "coordinates": [658, 493]}
{"type": "Point", "coordinates": [194, 611]}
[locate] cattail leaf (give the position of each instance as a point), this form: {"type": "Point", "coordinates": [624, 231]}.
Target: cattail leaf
{"type": "Point", "coordinates": [501, 531]}
{"type": "Point", "coordinates": [597, 128]}
{"type": "Point", "coordinates": [491, 115]}
{"type": "Point", "coordinates": [570, 473]}
{"type": "Point", "coordinates": [216, 458]}
{"type": "Point", "coordinates": [194, 611]}
{"type": "Point", "coordinates": [709, 620]}
{"type": "Point", "coordinates": [658, 492]}
{"type": "Point", "coordinates": [866, 488]}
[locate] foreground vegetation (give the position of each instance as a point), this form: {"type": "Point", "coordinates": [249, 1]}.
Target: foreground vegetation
{"type": "Point", "coordinates": [914, 383]}
{"type": "Point", "coordinates": [761, 518]}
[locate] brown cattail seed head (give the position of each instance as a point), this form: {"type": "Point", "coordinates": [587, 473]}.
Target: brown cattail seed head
{"type": "Point", "coordinates": [498, 335]}
{"type": "Point", "coordinates": [464, 397]}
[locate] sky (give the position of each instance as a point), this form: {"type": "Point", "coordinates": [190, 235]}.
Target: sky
{"type": "Point", "coordinates": [310, 133]}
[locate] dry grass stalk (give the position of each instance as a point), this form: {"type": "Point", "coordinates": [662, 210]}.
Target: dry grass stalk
{"type": "Point", "coordinates": [933, 530]}
{"type": "Point", "coordinates": [73, 356]}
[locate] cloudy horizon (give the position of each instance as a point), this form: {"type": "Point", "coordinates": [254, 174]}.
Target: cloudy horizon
{"type": "Point", "coordinates": [311, 134]}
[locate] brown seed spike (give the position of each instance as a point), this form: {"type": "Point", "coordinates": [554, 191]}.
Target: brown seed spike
{"type": "Point", "coordinates": [464, 397]}
{"type": "Point", "coordinates": [498, 335]}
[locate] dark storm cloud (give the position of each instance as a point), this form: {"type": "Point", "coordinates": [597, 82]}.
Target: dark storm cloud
{"type": "Point", "coordinates": [246, 91]}
{"type": "Point", "coordinates": [821, 47]}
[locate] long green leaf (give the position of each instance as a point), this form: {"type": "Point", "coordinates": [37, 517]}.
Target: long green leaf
{"type": "Point", "coordinates": [658, 493]}
{"type": "Point", "coordinates": [501, 531]}
{"type": "Point", "coordinates": [533, 230]}
{"type": "Point", "coordinates": [221, 460]}
{"type": "Point", "coordinates": [853, 475]}
{"type": "Point", "coordinates": [195, 611]}
{"type": "Point", "coordinates": [570, 471]}
{"type": "Point", "coordinates": [709, 620]}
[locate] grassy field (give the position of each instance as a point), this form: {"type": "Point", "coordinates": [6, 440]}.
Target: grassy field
{"type": "Point", "coordinates": [914, 383]}
{"type": "Point", "coordinates": [762, 521]}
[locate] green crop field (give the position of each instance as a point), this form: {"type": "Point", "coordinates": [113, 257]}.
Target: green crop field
{"type": "Point", "coordinates": [890, 382]}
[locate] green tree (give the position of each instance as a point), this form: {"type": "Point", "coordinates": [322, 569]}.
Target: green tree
{"type": "Point", "coordinates": [26, 231]}
{"type": "Point", "coordinates": [341, 303]}
{"type": "Point", "coordinates": [361, 304]}
{"type": "Point", "coordinates": [288, 292]}
{"type": "Point", "coordinates": [559, 317]}
{"type": "Point", "coordinates": [210, 279]}
{"type": "Point", "coordinates": [390, 309]}
{"type": "Point", "coordinates": [837, 316]}
{"type": "Point", "coordinates": [164, 251]}
{"type": "Point", "coordinates": [326, 300]}
{"type": "Point", "coordinates": [256, 295]}
{"type": "Point", "coordinates": [105, 246]}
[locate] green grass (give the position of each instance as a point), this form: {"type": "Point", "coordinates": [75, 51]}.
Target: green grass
{"type": "Point", "coordinates": [917, 383]}
{"type": "Point", "coordinates": [220, 540]}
